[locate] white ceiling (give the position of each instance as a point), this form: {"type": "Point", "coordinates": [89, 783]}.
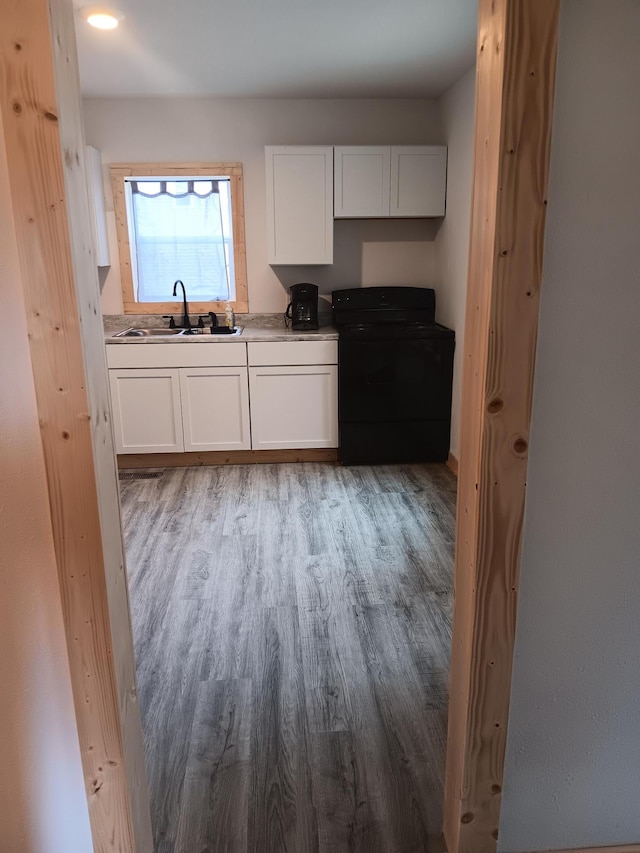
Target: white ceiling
{"type": "Point", "coordinates": [279, 48]}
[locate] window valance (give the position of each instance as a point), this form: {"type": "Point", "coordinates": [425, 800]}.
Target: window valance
{"type": "Point", "coordinates": [175, 189]}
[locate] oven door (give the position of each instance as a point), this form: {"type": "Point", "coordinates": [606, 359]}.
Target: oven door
{"type": "Point", "coordinates": [395, 380]}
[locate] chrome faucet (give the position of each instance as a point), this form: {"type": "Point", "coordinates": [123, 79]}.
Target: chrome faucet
{"type": "Point", "coordinates": [186, 322]}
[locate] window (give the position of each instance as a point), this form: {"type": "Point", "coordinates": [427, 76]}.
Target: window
{"type": "Point", "coordinates": [180, 229]}
{"type": "Point", "coordinates": [180, 222]}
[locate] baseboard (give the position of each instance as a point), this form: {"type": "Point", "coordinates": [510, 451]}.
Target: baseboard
{"type": "Point", "coordinates": [225, 457]}
{"type": "Point", "coordinates": [625, 848]}
{"type": "Point", "coordinates": [452, 464]}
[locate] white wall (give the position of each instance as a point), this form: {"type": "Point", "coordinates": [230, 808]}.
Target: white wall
{"type": "Point", "coordinates": [457, 109]}
{"type": "Point", "coordinates": [43, 808]}
{"type": "Point", "coordinates": [573, 759]}
{"type": "Point", "coordinates": [188, 129]}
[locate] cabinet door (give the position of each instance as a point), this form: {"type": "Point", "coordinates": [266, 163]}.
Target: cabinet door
{"type": "Point", "coordinates": [215, 408]}
{"type": "Point", "coordinates": [361, 181]}
{"type": "Point", "coordinates": [299, 204]}
{"type": "Point", "coordinates": [146, 410]}
{"type": "Point", "coordinates": [418, 180]}
{"type": "Point", "coordinates": [294, 407]}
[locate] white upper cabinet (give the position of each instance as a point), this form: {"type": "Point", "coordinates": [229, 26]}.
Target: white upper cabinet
{"type": "Point", "coordinates": [361, 181]}
{"type": "Point", "coordinates": [395, 181]}
{"type": "Point", "coordinates": [299, 204]}
{"type": "Point", "coordinates": [418, 180]}
{"type": "Point", "coordinates": [97, 212]}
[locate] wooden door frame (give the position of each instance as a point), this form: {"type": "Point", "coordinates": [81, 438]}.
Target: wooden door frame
{"type": "Point", "coordinates": [41, 116]}
{"type": "Point", "coordinates": [515, 81]}
{"type": "Point", "coordinates": [42, 125]}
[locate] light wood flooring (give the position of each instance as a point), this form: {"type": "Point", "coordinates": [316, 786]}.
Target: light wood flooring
{"type": "Point", "coordinates": [292, 627]}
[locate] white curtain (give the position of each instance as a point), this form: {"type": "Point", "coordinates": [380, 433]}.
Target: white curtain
{"type": "Point", "coordinates": [182, 231]}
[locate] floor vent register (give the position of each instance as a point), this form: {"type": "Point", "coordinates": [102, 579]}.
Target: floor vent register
{"type": "Point", "coordinates": [139, 475]}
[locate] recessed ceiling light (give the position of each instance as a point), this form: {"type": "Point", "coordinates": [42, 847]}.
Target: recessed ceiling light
{"type": "Point", "coordinates": [101, 17]}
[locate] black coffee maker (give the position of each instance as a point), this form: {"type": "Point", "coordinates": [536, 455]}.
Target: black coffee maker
{"type": "Point", "coordinates": [303, 308]}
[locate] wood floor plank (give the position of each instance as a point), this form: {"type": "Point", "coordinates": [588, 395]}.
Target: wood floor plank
{"type": "Point", "coordinates": [347, 793]}
{"type": "Point", "coordinates": [316, 481]}
{"type": "Point", "coordinates": [276, 558]}
{"type": "Point", "coordinates": [241, 506]}
{"type": "Point", "coordinates": [292, 626]}
{"type": "Point", "coordinates": [338, 578]}
{"type": "Point", "coordinates": [409, 755]}
{"type": "Point", "coordinates": [215, 800]}
{"type": "Point", "coordinates": [334, 668]}
{"type": "Point", "coordinates": [235, 590]}
{"type": "Point", "coordinates": [282, 817]}
{"type": "Point", "coordinates": [153, 591]}
{"type": "Point", "coordinates": [347, 528]}
{"type": "Point", "coordinates": [168, 694]}
{"type": "Point", "coordinates": [404, 577]}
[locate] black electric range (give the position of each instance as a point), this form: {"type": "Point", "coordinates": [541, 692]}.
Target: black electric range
{"type": "Point", "coordinates": [395, 374]}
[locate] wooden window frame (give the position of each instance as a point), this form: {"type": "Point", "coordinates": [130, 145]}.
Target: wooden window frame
{"type": "Point", "coordinates": [120, 171]}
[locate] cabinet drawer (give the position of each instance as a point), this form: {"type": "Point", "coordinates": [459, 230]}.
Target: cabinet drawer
{"type": "Point", "coordinates": [182, 354]}
{"type": "Point", "coordinates": [292, 352]}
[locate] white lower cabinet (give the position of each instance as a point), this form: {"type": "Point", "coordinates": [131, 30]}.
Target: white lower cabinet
{"type": "Point", "coordinates": [171, 410]}
{"type": "Point", "coordinates": [294, 406]}
{"type": "Point", "coordinates": [146, 408]}
{"type": "Point", "coordinates": [170, 398]}
{"type": "Point", "coordinates": [215, 408]}
{"type": "Point", "coordinates": [293, 388]}
{"type": "Point", "coordinates": [207, 398]}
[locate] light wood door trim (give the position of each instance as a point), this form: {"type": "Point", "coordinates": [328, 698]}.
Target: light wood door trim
{"type": "Point", "coordinates": [514, 105]}
{"type": "Point", "coordinates": [42, 123]}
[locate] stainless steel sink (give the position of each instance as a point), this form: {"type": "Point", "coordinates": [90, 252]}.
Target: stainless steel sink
{"type": "Point", "coordinates": [172, 333]}
{"type": "Point", "coordinates": [148, 333]}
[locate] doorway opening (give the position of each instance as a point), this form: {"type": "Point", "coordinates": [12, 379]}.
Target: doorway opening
{"type": "Point", "coordinates": [489, 510]}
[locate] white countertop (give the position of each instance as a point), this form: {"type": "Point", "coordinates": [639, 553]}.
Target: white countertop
{"type": "Point", "coordinates": [249, 333]}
